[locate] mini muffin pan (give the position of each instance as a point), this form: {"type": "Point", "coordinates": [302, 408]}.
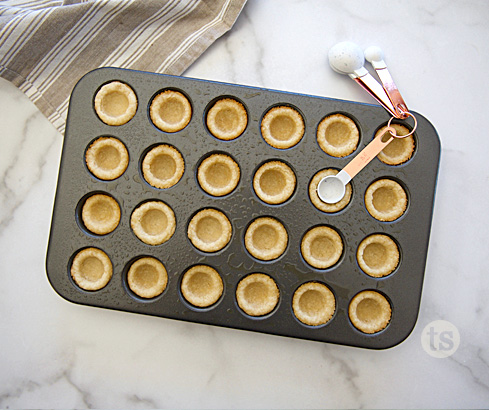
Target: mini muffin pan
{"type": "Point", "coordinates": [402, 288]}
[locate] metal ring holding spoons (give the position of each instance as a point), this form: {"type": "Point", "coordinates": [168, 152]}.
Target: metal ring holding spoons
{"type": "Point", "coordinates": [407, 113]}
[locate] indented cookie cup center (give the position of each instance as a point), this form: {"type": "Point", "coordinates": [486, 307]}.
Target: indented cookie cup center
{"type": "Point", "coordinates": [108, 158]}
{"type": "Point", "coordinates": [265, 237]}
{"type": "Point", "coordinates": [92, 269]}
{"type": "Point", "coordinates": [375, 255]}
{"type": "Point", "coordinates": [172, 111]}
{"type": "Point", "coordinates": [282, 127]}
{"type": "Point", "coordinates": [209, 229]}
{"type": "Point", "coordinates": [163, 167]}
{"type": "Point", "coordinates": [115, 104]}
{"type": "Point", "coordinates": [272, 182]}
{"type": "Point", "coordinates": [384, 199]}
{"type": "Point", "coordinates": [154, 221]}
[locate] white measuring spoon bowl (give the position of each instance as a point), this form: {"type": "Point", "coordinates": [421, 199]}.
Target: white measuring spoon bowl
{"type": "Point", "coordinates": [375, 56]}
{"type": "Point", "coordinates": [347, 58]}
{"type": "Point", "coordinates": [331, 189]}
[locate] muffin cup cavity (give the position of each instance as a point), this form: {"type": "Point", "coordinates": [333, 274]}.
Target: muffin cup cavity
{"type": "Point", "coordinates": [163, 166]}
{"type": "Point", "coordinates": [313, 304]}
{"type": "Point", "coordinates": [227, 119]}
{"type": "Point", "coordinates": [386, 200]}
{"type": "Point", "coordinates": [201, 286]}
{"type": "Point", "coordinates": [282, 127]}
{"type": "Point", "coordinates": [370, 311]}
{"type": "Point", "coordinates": [115, 103]}
{"type": "Point", "coordinates": [153, 222]}
{"type": "Point", "coordinates": [338, 135]}
{"type": "Point", "coordinates": [91, 269]}
{"type": "Point", "coordinates": [218, 174]}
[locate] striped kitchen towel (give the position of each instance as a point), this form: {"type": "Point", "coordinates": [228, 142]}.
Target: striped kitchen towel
{"type": "Point", "coordinates": [46, 46]}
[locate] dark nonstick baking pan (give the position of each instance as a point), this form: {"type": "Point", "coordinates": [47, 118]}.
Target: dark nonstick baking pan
{"type": "Point", "coordinates": [402, 288]}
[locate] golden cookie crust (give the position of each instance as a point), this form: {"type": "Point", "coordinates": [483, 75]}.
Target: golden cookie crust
{"type": "Point", "coordinates": [107, 158]}
{"type": "Point", "coordinates": [399, 150]}
{"type": "Point", "coordinates": [209, 230]}
{"type": "Point", "coordinates": [115, 103]}
{"type": "Point", "coordinates": [163, 166]}
{"type": "Point", "coordinates": [274, 182]}
{"type": "Point", "coordinates": [313, 304]}
{"type": "Point", "coordinates": [257, 294]}
{"type": "Point", "coordinates": [338, 135]}
{"type": "Point", "coordinates": [378, 255]}
{"type": "Point", "coordinates": [218, 174]}
{"type": "Point", "coordinates": [386, 200]}
{"type": "Point", "coordinates": [147, 277]}
{"type": "Point", "coordinates": [227, 119]}
{"type": "Point", "coordinates": [170, 111]}
{"type": "Point", "coordinates": [322, 247]}
{"type": "Point", "coordinates": [323, 206]}
{"type": "Point", "coordinates": [101, 214]}
{"type": "Point", "coordinates": [91, 269]}
{"type": "Point", "coordinates": [369, 311]}
{"type": "Point", "coordinates": [266, 238]}
{"type": "Point", "coordinates": [201, 286]}
{"type": "Point", "coordinates": [153, 222]}
{"type": "Point", "coordinates": [282, 127]}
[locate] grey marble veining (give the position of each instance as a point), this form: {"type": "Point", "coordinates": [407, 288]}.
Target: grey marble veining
{"type": "Point", "coordinates": [58, 355]}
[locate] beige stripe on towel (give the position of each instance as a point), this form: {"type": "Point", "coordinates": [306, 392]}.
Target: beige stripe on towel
{"type": "Point", "coordinates": [47, 46]}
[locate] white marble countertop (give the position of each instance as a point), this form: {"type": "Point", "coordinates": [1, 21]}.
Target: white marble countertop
{"type": "Point", "coordinates": [55, 354]}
